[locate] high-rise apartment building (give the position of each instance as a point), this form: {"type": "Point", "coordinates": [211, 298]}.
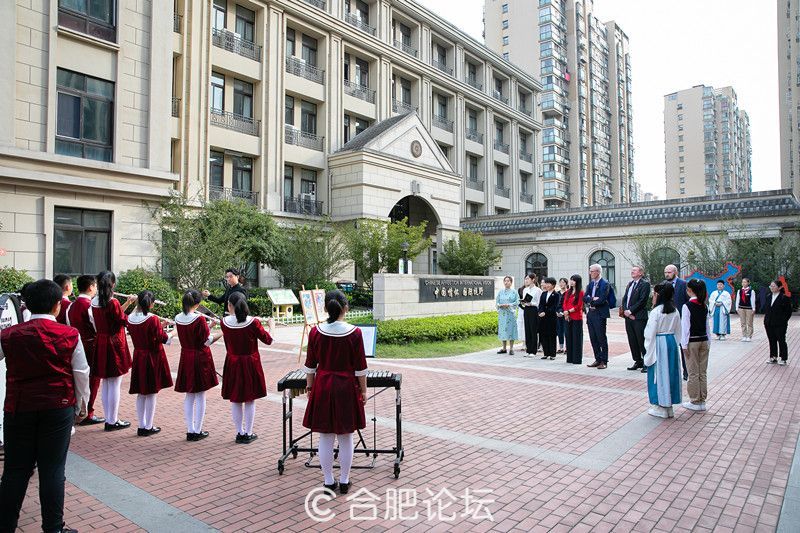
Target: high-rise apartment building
{"type": "Point", "coordinates": [707, 143]}
{"type": "Point", "coordinates": [110, 105]}
{"type": "Point", "coordinates": [789, 92]}
{"type": "Point", "coordinates": [585, 68]}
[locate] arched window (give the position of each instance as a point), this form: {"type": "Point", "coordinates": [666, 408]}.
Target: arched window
{"type": "Point", "coordinates": [663, 257]}
{"type": "Point", "coordinates": [606, 259]}
{"type": "Point", "coordinates": [536, 264]}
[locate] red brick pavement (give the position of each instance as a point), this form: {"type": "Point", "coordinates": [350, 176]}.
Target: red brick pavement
{"type": "Point", "coordinates": [724, 470]}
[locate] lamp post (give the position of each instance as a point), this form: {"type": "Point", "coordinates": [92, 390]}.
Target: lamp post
{"type": "Point", "coordinates": [404, 248]}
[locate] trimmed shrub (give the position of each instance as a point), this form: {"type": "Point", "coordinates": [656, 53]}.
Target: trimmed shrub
{"type": "Point", "coordinates": [12, 280]}
{"type": "Point", "coordinates": [137, 280]}
{"type": "Point", "coordinates": [439, 328]}
{"type": "Point", "coordinates": [360, 298]}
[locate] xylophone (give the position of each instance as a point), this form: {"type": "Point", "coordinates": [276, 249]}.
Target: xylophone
{"type": "Point", "coordinates": [295, 381]}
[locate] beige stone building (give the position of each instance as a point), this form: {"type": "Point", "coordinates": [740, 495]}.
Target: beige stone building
{"type": "Point", "coordinates": [585, 69]}
{"type": "Point", "coordinates": [707, 143]}
{"type": "Point", "coordinates": [789, 92]}
{"type": "Point", "coordinates": [112, 104]}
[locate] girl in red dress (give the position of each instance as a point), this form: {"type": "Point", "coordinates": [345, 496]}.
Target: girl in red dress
{"type": "Point", "coordinates": [150, 371]}
{"type": "Point", "coordinates": [196, 372]}
{"type": "Point", "coordinates": [242, 376]}
{"type": "Point", "coordinates": [336, 379]}
{"type": "Point", "coordinates": [112, 357]}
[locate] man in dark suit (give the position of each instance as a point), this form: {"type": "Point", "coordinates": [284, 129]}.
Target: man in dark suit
{"type": "Point", "coordinates": [597, 316]}
{"type": "Point", "coordinates": [634, 307]}
{"type": "Point", "coordinates": [777, 312]}
{"type": "Point", "coordinates": [680, 298]}
{"type": "Point", "coordinates": [548, 307]}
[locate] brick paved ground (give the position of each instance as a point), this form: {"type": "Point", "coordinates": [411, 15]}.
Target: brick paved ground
{"type": "Point", "coordinates": [561, 447]}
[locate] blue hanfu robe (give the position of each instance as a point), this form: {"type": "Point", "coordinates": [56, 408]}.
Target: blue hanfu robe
{"type": "Point", "coordinates": [507, 316]}
{"type": "Point", "coordinates": [720, 314]}
{"type": "Point", "coordinates": [663, 359]}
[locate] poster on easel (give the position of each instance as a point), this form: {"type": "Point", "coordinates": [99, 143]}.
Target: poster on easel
{"type": "Point", "coordinates": [319, 305]}
{"type": "Point", "coordinates": [307, 303]}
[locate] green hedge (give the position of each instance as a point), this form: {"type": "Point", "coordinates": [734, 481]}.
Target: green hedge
{"type": "Point", "coordinates": [438, 328]}
{"type": "Point", "coordinates": [12, 280]}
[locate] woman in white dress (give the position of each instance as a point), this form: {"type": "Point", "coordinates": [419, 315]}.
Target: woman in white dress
{"type": "Point", "coordinates": [719, 311]}
{"type": "Point", "coordinates": [662, 355]}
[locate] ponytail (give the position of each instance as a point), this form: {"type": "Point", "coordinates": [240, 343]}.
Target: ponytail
{"type": "Point", "coordinates": [190, 299]}
{"type": "Point", "coordinates": [145, 301]}
{"type": "Point", "coordinates": [106, 280]}
{"type": "Point", "coordinates": [335, 302]}
{"type": "Point", "coordinates": [699, 289]}
{"type": "Point", "coordinates": [240, 308]}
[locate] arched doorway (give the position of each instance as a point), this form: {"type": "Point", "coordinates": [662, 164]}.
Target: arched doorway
{"type": "Point", "coordinates": [663, 257]}
{"type": "Point", "coordinates": [607, 261]}
{"type": "Point", "coordinates": [536, 263]}
{"type": "Point", "coordinates": [418, 210]}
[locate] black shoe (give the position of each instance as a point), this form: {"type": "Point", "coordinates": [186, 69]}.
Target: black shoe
{"type": "Point", "coordinates": [552, 357]}
{"type": "Point", "coordinates": [142, 432]}
{"type": "Point", "coordinates": [247, 439]}
{"type": "Point", "coordinates": [239, 438]}
{"type": "Point", "coordinates": [344, 487]}
{"type": "Point", "coordinates": [200, 436]}
{"type": "Point", "coordinates": [90, 421]}
{"type": "Point", "coordinates": [636, 366]}
{"type": "Point", "coordinates": [332, 487]}
{"type": "Point", "coordinates": [190, 437]}
{"type": "Point", "coordinates": [644, 370]}
{"type": "Point", "coordinates": [502, 351]}
{"type": "Point", "coordinates": [544, 357]}
{"type": "Point", "coordinates": [119, 424]}
{"type": "Point", "coordinates": [65, 529]}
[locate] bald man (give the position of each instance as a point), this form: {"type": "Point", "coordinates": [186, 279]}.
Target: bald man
{"type": "Point", "coordinates": [680, 298]}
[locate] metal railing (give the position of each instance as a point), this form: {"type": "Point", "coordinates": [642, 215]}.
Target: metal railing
{"type": "Point", "coordinates": [526, 197]}
{"type": "Point", "coordinates": [505, 192]}
{"type": "Point", "coordinates": [359, 91]}
{"type": "Point", "coordinates": [353, 20]}
{"type": "Point", "coordinates": [501, 147]}
{"type": "Point", "coordinates": [215, 192]}
{"type": "Point", "coordinates": [177, 22]}
{"type": "Point", "coordinates": [475, 184]}
{"type": "Point", "coordinates": [298, 67]}
{"type": "Point", "coordinates": [525, 111]}
{"type": "Point", "coordinates": [227, 40]}
{"type": "Point", "coordinates": [473, 82]}
{"type": "Point", "coordinates": [443, 123]}
{"type": "Point", "coordinates": [499, 96]}
{"type": "Point", "coordinates": [302, 205]}
{"type": "Point", "coordinates": [235, 122]}
{"type": "Point", "coordinates": [298, 137]}
{"type": "Point", "coordinates": [320, 4]}
{"type": "Point", "coordinates": [410, 50]}
{"type": "Point", "coordinates": [442, 66]}
{"type": "Point", "coordinates": [474, 135]}
{"type": "Point", "coordinates": [176, 106]}
{"type": "Point", "coordinates": [525, 156]}
{"type": "Point", "coordinates": [402, 107]}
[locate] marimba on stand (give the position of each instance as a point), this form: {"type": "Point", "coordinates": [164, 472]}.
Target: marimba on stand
{"type": "Point", "coordinates": [383, 380]}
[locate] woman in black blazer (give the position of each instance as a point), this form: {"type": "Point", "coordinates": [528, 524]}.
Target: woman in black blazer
{"type": "Point", "coordinates": [777, 312]}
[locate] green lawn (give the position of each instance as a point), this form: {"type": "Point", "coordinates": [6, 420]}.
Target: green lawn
{"type": "Point", "coordinates": [421, 350]}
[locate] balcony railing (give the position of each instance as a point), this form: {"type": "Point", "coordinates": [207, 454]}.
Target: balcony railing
{"type": "Point", "coordinates": [354, 20]}
{"type": "Point", "coordinates": [443, 123]}
{"type": "Point", "coordinates": [525, 156]}
{"type": "Point", "coordinates": [556, 193]}
{"type": "Point", "coordinates": [232, 121]}
{"type": "Point", "coordinates": [298, 137]}
{"type": "Point", "coordinates": [442, 66]}
{"type": "Point", "coordinates": [302, 205]}
{"type": "Point", "coordinates": [525, 111]}
{"type": "Point", "coordinates": [474, 135]}
{"type": "Point", "coordinates": [176, 106]}
{"type": "Point", "coordinates": [299, 67]}
{"type": "Point", "coordinates": [501, 147]}
{"type": "Point", "coordinates": [177, 22]}
{"type": "Point", "coordinates": [526, 198]}
{"type": "Point", "coordinates": [320, 4]}
{"type": "Point", "coordinates": [410, 50]}
{"type": "Point", "coordinates": [475, 184]}
{"type": "Point", "coordinates": [215, 192]}
{"type": "Point", "coordinates": [402, 107]}
{"type": "Point", "coordinates": [473, 82]}
{"type": "Point", "coordinates": [359, 91]}
{"type": "Point", "coordinates": [227, 40]}
{"type": "Point", "coordinates": [497, 95]}
{"type": "Point", "coordinates": [505, 192]}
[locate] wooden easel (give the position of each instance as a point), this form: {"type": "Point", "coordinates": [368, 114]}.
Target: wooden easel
{"type": "Point", "coordinates": [309, 317]}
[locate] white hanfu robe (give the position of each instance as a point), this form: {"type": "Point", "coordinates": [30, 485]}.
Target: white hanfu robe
{"type": "Point", "coordinates": [720, 314]}
{"type": "Point", "coordinates": [662, 337]}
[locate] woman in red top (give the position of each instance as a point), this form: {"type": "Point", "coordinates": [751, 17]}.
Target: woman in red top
{"type": "Point", "coordinates": [150, 371]}
{"type": "Point", "coordinates": [572, 305]}
{"type": "Point", "coordinates": [196, 372]}
{"type": "Point", "coordinates": [336, 374]}
{"type": "Point", "coordinates": [242, 376]}
{"type": "Point", "coordinates": [112, 357]}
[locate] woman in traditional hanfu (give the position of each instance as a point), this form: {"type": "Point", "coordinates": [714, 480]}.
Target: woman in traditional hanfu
{"type": "Point", "coordinates": [719, 311]}
{"type": "Point", "coordinates": [662, 357]}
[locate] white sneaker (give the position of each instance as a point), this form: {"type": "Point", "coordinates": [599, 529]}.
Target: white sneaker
{"type": "Point", "coordinates": [782, 362]}
{"type": "Point", "coordinates": [658, 411]}
{"type": "Point", "coordinates": [694, 406]}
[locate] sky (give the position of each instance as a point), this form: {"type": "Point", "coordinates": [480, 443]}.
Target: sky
{"type": "Point", "coordinates": [677, 44]}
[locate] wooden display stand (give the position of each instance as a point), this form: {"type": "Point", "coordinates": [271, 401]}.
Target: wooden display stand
{"type": "Point", "coordinates": [283, 302]}
{"type": "Point", "coordinates": [313, 305]}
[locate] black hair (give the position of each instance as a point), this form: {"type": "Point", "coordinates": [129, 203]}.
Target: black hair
{"type": "Point", "coordinates": [41, 296]}
{"type": "Point", "coordinates": [145, 301]}
{"type": "Point", "coordinates": [238, 273]}
{"type": "Point", "coordinates": [62, 280]}
{"type": "Point", "coordinates": [190, 299]}
{"type": "Point", "coordinates": [699, 289]}
{"type": "Point", "coordinates": [509, 278]}
{"type": "Point", "coordinates": [23, 289]}
{"type": "Point", "coordinates": [666, 297]}
{"type": "Point", "coordinates": [106, 280]}
{"type": "Point", "coordinates": [533, 277]}
{"type": "Point", "coordinates": [578, 286]}
{"type": "Point", "coordinates": [551, 281]}
{"type": "Point", "coordinates": [779, 283]}
{"type": "Point", "coordinates": [86, 281]}
{"type": "Point", "coordinates": [746, 278]}
{"type": "Point", "coordinates": [335, 302]}
{"type": "Point", "coordinates": [566, 282]}
{"type": "Point", "coordinates": [720, 281]}
{"type": "Point", "coordinates": [240, 307]}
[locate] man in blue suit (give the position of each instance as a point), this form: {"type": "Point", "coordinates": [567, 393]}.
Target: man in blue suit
{"type": "Point", "coordinates": [596, 298]}
{"type": "Point", "coordinates": [671, 276]}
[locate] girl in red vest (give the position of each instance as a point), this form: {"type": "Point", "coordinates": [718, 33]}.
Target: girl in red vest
{"type": "Point", "coordinates": [150, 371]}
{"type": "Point", "coordinates": [242, 376]}
{"type": "Point", "coordinates": [196, 372]}
{"type": "Point", "coordinates": [112, 357]}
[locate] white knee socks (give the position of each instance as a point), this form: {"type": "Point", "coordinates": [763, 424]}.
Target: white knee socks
{"type": "Point", "coordinates": [345, 456]}
{"type": "Point", "coordinates": [111, 398]}
{"type": "Point", "coordinates": [146, 410]}
{"type": "Point", "coordinates": [249, 417]}
{"type": "Point", "coordinates": [194, 411]}
{"type": "Point", "coordinates": [238, 414]}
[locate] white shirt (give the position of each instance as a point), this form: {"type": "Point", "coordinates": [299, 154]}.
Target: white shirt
{"type": "Point", "coordinates": [774, 297]}
{"type": "Point", "coordinates": [632, 288]}
{"type": "Point", "coordinates": [658, 322]}
{"type": "Point", "coordinates": [80, 368]}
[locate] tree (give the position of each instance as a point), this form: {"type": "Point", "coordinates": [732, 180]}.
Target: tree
{"type": "Point", "coordinates": [314, 255]}
{"type": "Point", "coordinates": [468, 255]}
{"type": "Point", "coordinates": [197, 245]}
{"type": "Point", "coordinates": [399, 233]}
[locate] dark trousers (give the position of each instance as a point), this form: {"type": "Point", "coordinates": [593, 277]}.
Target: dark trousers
{"type": "Point", "coordinates": [635, 331]}
{"type": "Point", "coordinates": [531, 320]}
{"type": "Point", "coordinates": [94, 385]}
{"type": "Point", "coordinates": [561, 330]}
{"type": "Point", "coordinates": [597, 335]}
{"type": "Point", "coordinates": [776, 335]}
{"type": "Point", "coordinates": [35, 439]}
{"type": "Point", "coordinates": [575, 341]}
{"type": "Point", "coordinates": [548, 338]}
